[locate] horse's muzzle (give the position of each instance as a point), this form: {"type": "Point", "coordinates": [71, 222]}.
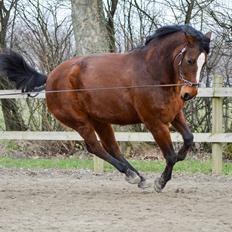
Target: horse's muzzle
{"type": "Point", "coordinates": [186, 97]}
{"type": "Point", "coordinates": [188, 92]}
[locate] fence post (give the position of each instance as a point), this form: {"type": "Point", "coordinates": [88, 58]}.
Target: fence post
{"type": "Point", "coordinates": [98, 165]}
{"type": "Point", "coordinates": [217, 114]}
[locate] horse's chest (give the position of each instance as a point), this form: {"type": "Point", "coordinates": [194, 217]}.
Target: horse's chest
{"type": "Point", "coordinates": [157, 107]}
{"type": "Point", "coordinates": [170, 109]}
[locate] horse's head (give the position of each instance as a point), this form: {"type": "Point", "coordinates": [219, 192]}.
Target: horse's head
{"type": "Point", "coordinates": [192, 58]}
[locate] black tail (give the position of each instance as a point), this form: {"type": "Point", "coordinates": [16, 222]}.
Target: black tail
{"type": "Point", "coordinates": [15, 68]}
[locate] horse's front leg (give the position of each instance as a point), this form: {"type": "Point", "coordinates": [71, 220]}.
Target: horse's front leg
{"type": "Point", "coordinates": [162, 136]}
{"type": "Point", "coordinates": [181, 126]}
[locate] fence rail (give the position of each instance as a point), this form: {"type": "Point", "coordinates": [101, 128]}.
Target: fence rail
{"type": "Point", "coordinates": [120, 136]}
{"type": "Point", "coordinates": [217, 137]}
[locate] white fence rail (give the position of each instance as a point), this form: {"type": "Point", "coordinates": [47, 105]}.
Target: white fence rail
{"type": "Point", "coordinates": [120, 136]}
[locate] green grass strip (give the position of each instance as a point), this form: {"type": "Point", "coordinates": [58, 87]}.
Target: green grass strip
{"type": "Point", "coordinates": [187, 166]}
{"type": "Point", "coordinates": [8, 162]}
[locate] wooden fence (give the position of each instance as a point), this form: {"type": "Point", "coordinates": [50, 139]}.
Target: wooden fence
{"type": "Point", "coordinates": [217, 137]}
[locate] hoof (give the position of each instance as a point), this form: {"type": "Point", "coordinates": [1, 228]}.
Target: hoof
{"type": "Point", "coordinates": [132, 177]}
{"type": "Point", "coordinates": [158, 185]}
{"type": "Point", "coordinates": [144, 184]}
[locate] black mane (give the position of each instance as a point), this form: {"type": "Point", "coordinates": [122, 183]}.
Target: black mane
{"type": "Point", "coordinates": [189, 30]}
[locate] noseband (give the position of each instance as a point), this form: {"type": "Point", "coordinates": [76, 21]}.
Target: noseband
{"type": "Point", "coordinates": [181, 75]}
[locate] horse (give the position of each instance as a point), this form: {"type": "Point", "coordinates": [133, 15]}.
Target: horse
{"type": "Point", "coordinates": [149, 84]}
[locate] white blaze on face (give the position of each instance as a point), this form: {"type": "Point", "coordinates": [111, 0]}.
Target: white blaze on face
{"type": "Point", "coordinates": [200, 63]}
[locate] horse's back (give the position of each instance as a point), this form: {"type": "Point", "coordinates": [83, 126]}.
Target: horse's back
{"type": "Point", "coordinates": [96, 68]}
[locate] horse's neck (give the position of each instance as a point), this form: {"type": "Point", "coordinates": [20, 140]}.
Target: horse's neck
{"type": "Point", "coordinates": [160, 58]}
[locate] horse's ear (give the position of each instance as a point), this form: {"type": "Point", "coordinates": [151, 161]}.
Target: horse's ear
{"type": "Point", "coordinates": [208, 35]}
{"type": "Point", "coordinates": [190, 39]}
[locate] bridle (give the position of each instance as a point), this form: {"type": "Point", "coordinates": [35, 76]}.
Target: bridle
{"type": "Point", "coordinates": [181, 75]}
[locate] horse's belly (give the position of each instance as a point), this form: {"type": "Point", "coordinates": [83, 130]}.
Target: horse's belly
{"type": "Point", "coordinates": [114, 112]}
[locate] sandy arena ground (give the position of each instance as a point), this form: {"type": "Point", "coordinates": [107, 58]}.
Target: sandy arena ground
{"type": "Point", "coordinates": [70, 201]}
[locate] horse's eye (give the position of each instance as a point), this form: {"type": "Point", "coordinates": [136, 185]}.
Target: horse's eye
{"type": "Point", "coordinates": [190, 61]}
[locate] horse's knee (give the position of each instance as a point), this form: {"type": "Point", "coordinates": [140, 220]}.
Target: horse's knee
{"type": "Point", "coordinates": [188, 140]}
{"type": "Point", "coordinates": [171, 159]}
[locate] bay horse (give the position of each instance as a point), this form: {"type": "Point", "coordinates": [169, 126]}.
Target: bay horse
{"type": "Point", "coordinates": [148, 85]}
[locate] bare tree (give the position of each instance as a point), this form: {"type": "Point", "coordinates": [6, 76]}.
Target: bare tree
{"type": "Point", "coordinates": [46, 41]}
{"type": "Point", "coordinates": [43, 34]}
{"type": "Point", "coordinates": [110, 11]}
{"type": "Point", "coordinates": [46, 37]}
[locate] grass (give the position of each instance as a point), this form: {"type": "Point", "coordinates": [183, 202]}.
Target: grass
{"type": "Point", "coordinates": [40, 163]}
{"type": "Point", "coordinates": [187, 166]}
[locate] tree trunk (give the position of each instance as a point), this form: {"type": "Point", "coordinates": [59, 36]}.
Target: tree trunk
{"type": "Point", "coordinates": [89, 25]}
{"type": "Point", "coordinates": [112, 6]}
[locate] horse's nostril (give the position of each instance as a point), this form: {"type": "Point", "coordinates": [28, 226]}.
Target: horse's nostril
{"type": "Point", "coordinates": [186, 96]}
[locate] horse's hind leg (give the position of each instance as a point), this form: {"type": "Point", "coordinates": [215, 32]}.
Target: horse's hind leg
{"type": "Point", "coordinates": [80, 123]}
{"type": "Point", "coordinates": [108, 141]}
{"type": "Point", "coordinates": [85, 128]}
{"type": "Point", "coordinates": [94, 147]}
